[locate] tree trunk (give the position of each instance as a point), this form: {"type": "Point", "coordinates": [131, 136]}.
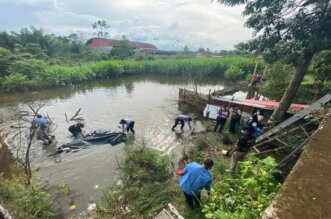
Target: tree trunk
{"type": "Point", "coordinates": [292, 89]}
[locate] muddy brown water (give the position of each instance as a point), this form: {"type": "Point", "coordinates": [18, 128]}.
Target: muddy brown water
{"type": "Point", "coordinates": [150, 101]}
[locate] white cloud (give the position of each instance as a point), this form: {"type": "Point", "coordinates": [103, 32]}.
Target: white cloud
{"type": "Point", "coordinates": [170, 24]}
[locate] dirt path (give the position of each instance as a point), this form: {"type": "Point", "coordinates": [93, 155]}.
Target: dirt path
{"type": "Point", "coordinates": [306, 193]}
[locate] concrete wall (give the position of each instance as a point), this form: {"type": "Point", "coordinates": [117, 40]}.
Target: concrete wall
{"type": "Point", "coordinates": [306, 192]}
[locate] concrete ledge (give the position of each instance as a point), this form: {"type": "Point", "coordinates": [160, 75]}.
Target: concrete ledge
{"type": "Point", "coordinates": [306, 192]}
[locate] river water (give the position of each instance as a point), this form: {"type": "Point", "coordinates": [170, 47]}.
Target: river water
{"type": "Point", "coordinates": [150, 101]}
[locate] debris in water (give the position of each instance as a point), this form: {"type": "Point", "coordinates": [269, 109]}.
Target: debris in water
{"type": "Point", "coordinates": [91, 209]}
{"type": "Point", "coordinates": [72, 207]}
{"type": "Point", "coordinates": [96, 186]}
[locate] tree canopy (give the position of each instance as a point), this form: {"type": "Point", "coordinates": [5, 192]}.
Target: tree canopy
{"type": "Point", "coordinates": [289, 30]}
{"type": "Point", "coordinates": [122, 51]}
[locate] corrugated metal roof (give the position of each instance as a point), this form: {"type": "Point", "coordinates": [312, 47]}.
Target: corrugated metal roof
{"type": "Point", "coordinates": [101, 42]}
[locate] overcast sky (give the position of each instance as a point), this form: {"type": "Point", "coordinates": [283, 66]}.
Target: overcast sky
{"type": "Point", "coordinates": [169, 24]}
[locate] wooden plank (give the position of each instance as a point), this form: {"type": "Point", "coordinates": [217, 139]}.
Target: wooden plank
{"type": "Point", "coordinates": [271, 150]}
{"type": "Point", "coordinates": [282, 142]}
{"type": "Point", "coordinates": [316, 105]}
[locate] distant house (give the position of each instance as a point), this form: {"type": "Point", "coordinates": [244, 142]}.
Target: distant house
{"type": "Point", "coordinates": [107, 45]}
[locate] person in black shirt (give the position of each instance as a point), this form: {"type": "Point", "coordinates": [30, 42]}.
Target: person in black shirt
{"type": "Point", "coordinates": [235, 119]}
{"type": "Point", "coordinates": [127, 125]}
{"type": "Point", "coordinates": [240, 150]}
{"type": "Point", "coordinates": [76, 129]}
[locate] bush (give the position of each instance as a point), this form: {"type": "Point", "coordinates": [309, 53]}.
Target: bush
{"type": "Point", "coordinates": [26, 202]}
{"type": "Point", "coordinates": [201, 144]}
{"type": "Point", "coordinates": [14, 82]}
{"type": "Point", "coordinates": [145, 187]}
{"type": "Point", "coordinates": [247, 195]}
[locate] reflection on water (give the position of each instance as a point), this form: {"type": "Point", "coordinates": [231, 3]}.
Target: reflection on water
{"type": "Point", "coordinates": [151, 102]}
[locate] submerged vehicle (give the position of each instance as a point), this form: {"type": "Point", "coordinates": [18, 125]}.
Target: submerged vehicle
{"type": "Point", "coordinates": [96, 137]}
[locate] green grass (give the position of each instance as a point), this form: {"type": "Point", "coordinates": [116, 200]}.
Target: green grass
{"type": "Point", "coordinates": [25, 201]}
{"type": "Point", "coordinates": [308, 80]}
{"type": "Point", "coordinates": [230, 68]}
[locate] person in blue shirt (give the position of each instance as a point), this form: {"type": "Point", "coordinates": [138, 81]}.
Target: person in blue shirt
{"type": "Point", "coordinates": [40, 121]}
{"type": "Point", "coordinates": [196, 177]}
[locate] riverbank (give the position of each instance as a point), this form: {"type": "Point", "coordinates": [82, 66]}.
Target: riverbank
{"type": "Point", "coordinates": [21, 200]}
{"type": "Point", "coordinates": [148, 184]}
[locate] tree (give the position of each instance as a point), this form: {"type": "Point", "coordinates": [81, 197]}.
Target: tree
{"type": "Point", "coordinates": [201, 49]}
{"type": "Point", "coordinates": [123, 50]}
{"type": "Point", "coordinates": [186, 49]}
{"type": "Point", "coordinates": [321, 68]}
{"type": "Point", "coordinates": [289, 30]}
{"type": "Point", "coordinates": [101, 26]}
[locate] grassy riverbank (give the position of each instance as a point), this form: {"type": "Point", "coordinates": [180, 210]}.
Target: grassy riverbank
{"type": "Point", "coordinates": [24, 201]}
{"type": "Point", "coordinates": [147, 186]}
{"type": "Point", "coordinates": [34, 75]}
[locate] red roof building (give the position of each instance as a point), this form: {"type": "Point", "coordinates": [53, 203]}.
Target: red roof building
{"type": "Point", "coordinates": [108, 44]}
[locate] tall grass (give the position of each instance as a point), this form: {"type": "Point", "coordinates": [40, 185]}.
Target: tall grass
{"type": "Point", "coordinates": [234, 68]}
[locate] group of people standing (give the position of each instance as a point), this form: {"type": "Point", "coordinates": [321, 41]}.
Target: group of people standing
{"type": "Point", "coordinates": [223, 114]}
{"type": "Point", "coordinates": [196, 177]}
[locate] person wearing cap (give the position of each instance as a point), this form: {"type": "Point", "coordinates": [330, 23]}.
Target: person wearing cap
{"type": "Point", "coordinates": [241, 148]}
{"type": "Point", "coordinates": [222, 116]}
{"type": "Point", "coordinates": [76, 129]}
{"type": "Point", "coordinates": [182, 119]}
{"type": "Point", "coordinates": [127, 125]}
{"type": "Point", "coordinates": [195, 178]}
{"type": "Point", "coordinates": [39, 121]}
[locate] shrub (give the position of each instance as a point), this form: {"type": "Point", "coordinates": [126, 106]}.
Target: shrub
{"type": "Point", "coordinates": [14, 82]}
{"type": "Point", "coordinates": [26, 202]}
{"type": "Point", "coordinates": [247, 195]}
{"type": "Point", "coordinates": [201, 144]}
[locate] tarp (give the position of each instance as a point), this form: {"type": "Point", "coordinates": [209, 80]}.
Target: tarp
{"type": "Point", "coordinates": [211, 111]}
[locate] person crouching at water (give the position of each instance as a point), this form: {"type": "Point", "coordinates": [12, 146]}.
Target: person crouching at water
{"type": "Point", "coordinates": [39, 121]}
{"type": "Point", "coordinates": [127, 125]}
{"type": "Point", "coordinates": [76, 129]}
{"type": "Point", "coordinates": [41, 134]}
{"type": "Point", "coordinates": [182, 119]}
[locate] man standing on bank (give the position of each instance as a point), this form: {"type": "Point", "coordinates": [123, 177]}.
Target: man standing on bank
{"type": "Point", "coordinates": [196, 177]}
{"type": "Point", "coordinates": [222, 116]}
{"type": "Point", "coordinates": [127, 125]}
{"type": "Point", "coordinates": [182, 119]}
{"type": "Point", "coordinates": [241, 148]}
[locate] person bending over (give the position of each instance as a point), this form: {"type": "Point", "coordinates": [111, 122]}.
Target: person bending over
{"type": "Point", "coordinates": [196, 177]}
{"type": "Point", "coordinates": [127, 125]}
{"type": "Point", "coordinates": [76, 129]}
{"type": "Point", "coordinates": [182, 119]}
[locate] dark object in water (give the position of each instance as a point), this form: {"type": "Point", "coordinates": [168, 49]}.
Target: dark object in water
{"type": "Point", "coordinates": [95, 137]}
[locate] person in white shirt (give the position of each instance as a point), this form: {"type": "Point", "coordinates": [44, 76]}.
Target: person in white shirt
{"type": "Point", "coordinates": [222, 116]}
{"type": "Point", "coordinates": [182, 119]}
